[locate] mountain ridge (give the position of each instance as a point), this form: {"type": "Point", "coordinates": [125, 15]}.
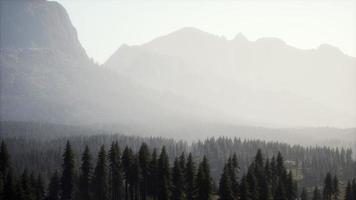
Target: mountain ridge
{"type": "Point", "coordinates": [194, 56]}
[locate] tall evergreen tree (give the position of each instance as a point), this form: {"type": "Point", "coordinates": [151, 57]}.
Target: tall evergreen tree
{"type": "Point", "coordinates": [68, 174]}
{"type": "Point", "coordinates": [244, 190]}
{"type": "Point", "coordinates": [204, 181]}
{"type": "Point", "coordinates": [126, 163]}
{"type": "Point", "coordinates": [144, 160]}
{"type": "Point", "coordinates": [85, 175]}
{"type": "Point", "coordinates": [163, 176]}
{"type": "Point", "coordinates": [252, 184]}
{"type": "Point", "coordinates": [134, 178]}
{"type": "Point", "coordinates": [116, 176]}
{"type": "Point", "coordinates": [182, 162]}
{"type": "Point", "coordinates": [234, 170]}
{"type": "Point", "coordinates": [153, 176]}
{"type": "Point", "coordinates": [225, 191]}
{"type": "Point", "coordinates": [54, 187]}
{"type": "Point", "coordinates": [177, 181]}
{"type": "Point", "coordinates": [190, 173]}
{"type": "Point", "coordinates": [100, 181]}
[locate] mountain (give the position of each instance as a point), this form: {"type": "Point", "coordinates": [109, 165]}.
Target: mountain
{"type": "Point", "coordinates": [183, 85]}
{"type": "Point", "coordinates": [47, 76]}
{"type": "Point", "coordinates": [265, 81]}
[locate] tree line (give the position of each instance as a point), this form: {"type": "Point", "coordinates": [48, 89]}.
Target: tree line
{"type": "Point", "coordinates": [42, 150]}
{"type": "Point", "coordinates": [119, 174]}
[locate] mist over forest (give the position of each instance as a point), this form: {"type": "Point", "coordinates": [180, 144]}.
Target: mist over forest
{"type": "Point", "coordinates": [187, 92]}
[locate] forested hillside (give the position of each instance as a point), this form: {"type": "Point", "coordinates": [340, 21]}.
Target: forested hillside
{"type": "Point", "coordinates": [42, 147]}
{"type": "Point", "coordinates": [152, 174]}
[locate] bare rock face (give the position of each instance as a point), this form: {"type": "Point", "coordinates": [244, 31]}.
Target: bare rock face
{"type": "Point", "coordinates": [38, 25]}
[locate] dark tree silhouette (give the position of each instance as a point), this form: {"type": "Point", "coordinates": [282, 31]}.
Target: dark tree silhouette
{"type": "Point", "coordinates": [177, 181]}
{"type": "Point", "coordinates": [85, 175]}
{"type": "Point", "coordinates": [116, 176]}
{"type": "Point", "coordinates": [100, 180]}
{"type": "Point", "coordinates": [204, 181]}
{"type": "Point", "coordinates": [163, 176]}
{"type": "Point", "coordinates": [68, 174]}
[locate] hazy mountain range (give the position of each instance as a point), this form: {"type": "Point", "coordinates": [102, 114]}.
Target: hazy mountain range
{"type": "Point", "coordinates": [186, 84]}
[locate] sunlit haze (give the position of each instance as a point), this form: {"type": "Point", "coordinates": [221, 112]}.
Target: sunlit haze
{"type": "Point", "coordinates": [103, 26]}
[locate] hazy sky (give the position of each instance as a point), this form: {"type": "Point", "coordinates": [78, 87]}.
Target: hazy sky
{"type": "Point", "coordinates": [105, 25]}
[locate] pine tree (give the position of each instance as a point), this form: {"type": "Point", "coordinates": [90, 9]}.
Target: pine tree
{"type": "Point", "coordinates": [328, 187]}
{"type": "Point", "coordinates": [225, 191]}
{"type": "Point", "coordinates": [100, 181]}
{"type": "Point", "coordinates": [54, 187]}
{"type": "Point", "coordinates": [126, 163]}
{"type": "Point", "coordinates": [244, 190]}
{"type": "Point", "coordinates": [134, 178]}
{"type": "Point", "coordinates": [177, 181]}
{"type": "Point", "coordinates": [234, 170]}
{"type": "Point", "coordinates": [85, 175]}
{"type": "Point", "coordinates": [182, 162]}
{"type": "Point", "coordinates": [4, 159]}
{"type": "Point", "coordinates": [144, 160]}
{"type": "Point", "coordinates": [317, 194]}
{"type": "Point", "coordinates": [163, 176]}
{"type": "Point", "coordinates": [68, 174]}
{"type": "Point", "coordinates": [116, 177]}
{"type": "Point", "coordinates": [204, 183]}
{"type": "Point", "coordinates": [252, 183]}
{"type": "Point", "coordinates": [280, 169]}
{"type": "Point", "coordinates": [190, 178]}
{"type": "Point", "coordinates": [304, 195]}
{"type": "Point", "coordinates": [153, 175]}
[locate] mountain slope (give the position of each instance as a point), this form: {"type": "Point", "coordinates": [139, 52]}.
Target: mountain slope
{"type": "Point", "coordinates": [47, 76]}
{"type": "Point", "coordinates": [266, 81]}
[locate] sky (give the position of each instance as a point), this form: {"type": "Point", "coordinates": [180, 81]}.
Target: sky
{"type": "Point", "coordinates": [103, 26]}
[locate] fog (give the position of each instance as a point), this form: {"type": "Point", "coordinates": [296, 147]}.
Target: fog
{"type": "Point", "coordinates": [185, 71]}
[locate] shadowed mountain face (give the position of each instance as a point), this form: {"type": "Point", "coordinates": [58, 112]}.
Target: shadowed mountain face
{"type": "Point", "coordinates": [265, 81]}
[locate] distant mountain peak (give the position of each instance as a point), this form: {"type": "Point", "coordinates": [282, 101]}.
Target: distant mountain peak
{"type": "Point", "coordinates": [271, 41]}
{"type": "Point", "coordinates": [190, 30]}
